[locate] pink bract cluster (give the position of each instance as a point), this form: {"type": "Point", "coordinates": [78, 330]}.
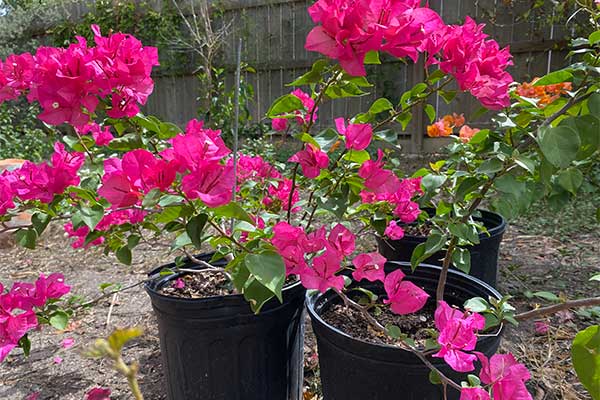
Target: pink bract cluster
{"type": "Point", "coordinates": [326, 253]}
{"type": "Point", "coordinates": [301, 116]}
{"type": "Point", "coordinates": [18, 306]}
{"type": "Point", "coordinates": [114, 218]}
{"type": "Point", "coordinates": [40, 181]}
{"type": "Point", "coordinates": [349, 29]}
{"type": "Point", "coordinates": [69, 83]}
{"type": "Point", "coordinates": [458, 339]}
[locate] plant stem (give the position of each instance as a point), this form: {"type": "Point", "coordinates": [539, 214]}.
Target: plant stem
{"type": "Point", "coordinates": [291, 196]}
{"type": "Point", "coordinates": [130, 373]}
{"type": "Point", "coordinates": [540, 312]}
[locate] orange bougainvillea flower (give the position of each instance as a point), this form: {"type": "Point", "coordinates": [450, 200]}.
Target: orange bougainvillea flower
{"type": "Point", "coordinates": [545, 94]}
{"type": "Point", "coordinates": [466, 133]}
{"type": "Point", "coordinates": [445, 125]}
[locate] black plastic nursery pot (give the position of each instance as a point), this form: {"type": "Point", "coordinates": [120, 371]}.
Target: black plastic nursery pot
{"type": "Point", "coordinates": [353, 369]}
{"type": "Point", "coordinates": [484, 256]}
{"type": "Point", "coordinates": [216, 348]}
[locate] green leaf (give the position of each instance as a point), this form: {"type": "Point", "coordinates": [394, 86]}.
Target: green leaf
{"type": "Point", "coordinates": [480, 137]}
{"type": "Point", "coordinates": [120, 337]}
{"type": "Point", "coordinates": [326, 139]}
{"type": "Point", "coordinates": [467, 186]}
{"type": "Point", "coordinates": [284, 105]}
{"type": "Point", "coordinates": [434, 377]}
{"type": "Point", "coordinates": [594, 38]}
{"type": "Point", "coordinates": [393, 331]}
{"type": "Point", "coordinates": [168, 130]}
{"type": "Point", "coordinates": [91, 216]}
{"type": "Point", "coordinates": [124, 255]}
{"type": "Point", "coordinates": [269, 269]}
{"type": "Point", "coordinates": [25, 345]}
{"type": "Point", "coordinates": [585, 353]}
{"type": "Point", "coordinates": [595, 278]}
{"type": "Point", "coordinates": [129, 141]}
{"type": "Point", "coordinates": [152, 198]}
{"type": "Point", "coordinates": [312, 76]}
{"type": "Point", "coordinates": [40, 221]}
{"type": "Point", "coordinates": [547, 296]}
{"type": "Point", "coordinates": [430, 111]}
{"type": "Point", "coordinates": [194, 229]}
{"type": "Point", "coordinates": [447, 95]}
{"type": "Point", "coordinates": [560, 145]}
{"type": "Point", "coordinates": [570, 179]}
{"type": "Point", "coordinates": [431, 182]}
{"type": "Point", "coordinates": [434, 243]}
{"type": "Point", "coordinates": [257, 295]}
{"type": "Point", "coordinates": [554, 77]}
{"type": "Point", "coordinates": [233, 210]}
{"type": "Point", "coordinates": [418, 255]}
{"type": "Point", "coordinates": [477, 304]}
{"type": "Point", "coordinates": [26, 238]}
{"type": "Point", "coordinates": [491, 166]}
{"type": "Point", "coordinates": [588, 129]}
{"type": "Point", "coordinates": [306, 138]}
{"type": "Point", "coordinates": [372, 57]}
{"type": "Point", "coordinates": [380, 105]}
{"type": "Point", "coordinates": [526, 163]}
{"type": "Point", "coordinates": [59, 320]}
{"type": "Point", "coordinates": [594, 104]}
{"type": "Point", "coordinates": [461, 258]}
{"type": "Point", "coordinates": [356, 156]}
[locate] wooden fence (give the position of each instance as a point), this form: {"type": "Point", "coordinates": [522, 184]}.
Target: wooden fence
{"type": "Point", "coordinates": [274, 31]}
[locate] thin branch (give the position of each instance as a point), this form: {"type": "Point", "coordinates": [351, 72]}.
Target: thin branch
{"type": "Point", "coordinates": [540, 312]}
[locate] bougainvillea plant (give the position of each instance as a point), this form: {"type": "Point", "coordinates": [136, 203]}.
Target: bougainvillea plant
{"type": "Point", "coordinates": [128, 177]}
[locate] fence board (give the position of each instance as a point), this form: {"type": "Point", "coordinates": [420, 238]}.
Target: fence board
{"type": "Point", "coordinates": [274, 32]}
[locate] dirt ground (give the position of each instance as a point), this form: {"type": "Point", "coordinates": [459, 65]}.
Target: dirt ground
{"type": "Point", "coordinates": [534, 257]}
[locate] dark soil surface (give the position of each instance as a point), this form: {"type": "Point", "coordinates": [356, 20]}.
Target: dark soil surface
{"type": "Point", "coordinates": [199, 285]}
{"type": "Point", "coordinates": [355, 324]}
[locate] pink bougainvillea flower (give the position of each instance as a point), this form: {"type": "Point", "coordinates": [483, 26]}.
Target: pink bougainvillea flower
{"type": "Point", "coordinates": [312, 160]}
{"type": "Point", "coordinates": [279, 124]}
{"type": "Point", "coordinates": [212, 184]}
{"type": "Point", "coordinates": [394, 231]}
{"type": "Point", "coordinates": [342, 240]}
{"type": "Point", "coordinates": [101, 135]}
{"type": "Point", "coordinates": [16, 74]}
{"type": "Point", "coordinates": [179, 284]}
{"type": "Point", "coordinates": [404, 297]}
{"type": "Point", "coordinates": [506, 376]}
{"type": "Point", "coordinates": [369, 266]}
{"type": "Point", "coordinates": [281, 193]}
{"type": "Point", "coordinates": [27, 295]}
{"type": "Point", "coordinates": [33, 396]}
{"type": "Point", "coordinates": [57, 360]}
{"type": "Point", "coordinates": [358, 136]}
{"type": "Point", "coordinates": [466, 133]}
{"type": "Point", "coordinates": [68, 343]}
{"type": "Point", "coordinates": [347, 32]}
{"type": "Point", "coordinates": [407, 211]}
{"type": "Point", "coordinates": [316, 240]}
{"type": "Point", "coordinates": [541, 327]}
{"type": "Point", "coordinates": [198, 146]}
{"type": "Point", "coordinates": [457, 336]}
{"type": "Point", "coordinates": [285, 235]}
{"type": "Point", "coordinates": [303, 116]}
{"type": "Point", "coordinates": [474, 393]}
{"type": "Point", "coordinates": [146, 172]}
{"type": "Point", "coordinates": [13, 328]}
{"type": "Point", "coordinates": [119, 190]}
{"type": "Point", "coordinates": [98, 393]}
{"type": "Point", "coordinates": [377, 179]}
{"type": "Point", "coordinates": [477, 63]}
{"type": "Point", "coordinates": [293, 258]}
{"type": "Point", "coordinates": [6, 195]}
{"type": "Point", "coordinates": [322, 274]}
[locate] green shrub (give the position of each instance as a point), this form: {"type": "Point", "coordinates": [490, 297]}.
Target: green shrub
{"type": "Point", "coordinates": [22, 135]}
